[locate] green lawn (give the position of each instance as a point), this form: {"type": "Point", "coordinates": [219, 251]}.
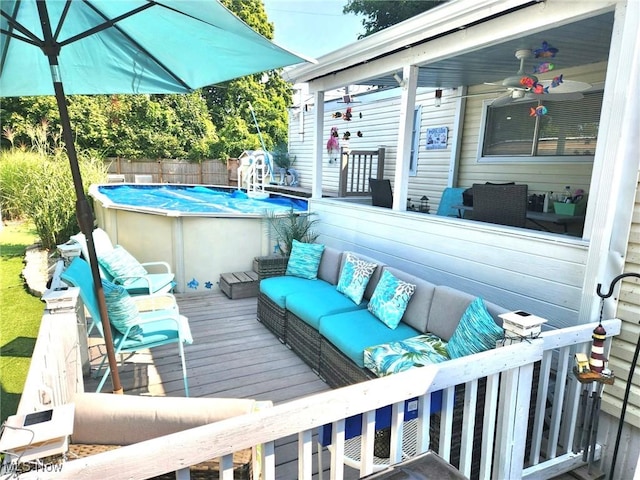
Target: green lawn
{"type": "Point", "coordinates": [20, 315]}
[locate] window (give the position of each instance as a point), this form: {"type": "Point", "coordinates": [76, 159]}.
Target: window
{"type": "Point", "coordinates": [567, 132]}
{"type": "Point", "coordinates": [415, 142]}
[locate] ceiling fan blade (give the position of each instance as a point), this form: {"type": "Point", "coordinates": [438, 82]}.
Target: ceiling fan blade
{"type": "Point", "coordinates": [567, 86]}
{"type": "Point", "coordinates": [502, 100]}
{"type": "Point", "coordinates": [555, 97]}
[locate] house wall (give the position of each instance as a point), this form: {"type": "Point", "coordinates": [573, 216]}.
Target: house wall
{"type": "Point", "coordinates": [379, 126]}
{"type": "Point", "coordinates": [515, 268]}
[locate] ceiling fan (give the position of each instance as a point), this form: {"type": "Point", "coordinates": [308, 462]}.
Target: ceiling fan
{"type": "Point", "coordinates": [520, 86]}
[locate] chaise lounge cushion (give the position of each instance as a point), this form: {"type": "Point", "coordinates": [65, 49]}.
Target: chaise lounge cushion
{"type": "Point", "coordinates": [352, 332]}
{"type": "Point", "coordinates": [106, 419]}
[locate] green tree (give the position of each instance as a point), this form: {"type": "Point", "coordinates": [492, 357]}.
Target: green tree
{"type": "Point", "coordinates": [381, 14]}
{"type": "Point", "coordinates": [267, 92]}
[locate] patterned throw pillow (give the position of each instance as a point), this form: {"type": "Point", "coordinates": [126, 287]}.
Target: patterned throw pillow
{"type": "Point", "coordinates": [395, 357]}
{"type": "Point", "coordinates": [120, 263]}
{"type": "Point", "coordinates": [304, 260]}
{"type": "Point", "coordinates": [354, 277]}
{"type": "Point", "coordinates": [390, 299]}
{"type": "Point", "coordinates": [122, 310]}
{"type": "Point", "coordinates": [476, 332]}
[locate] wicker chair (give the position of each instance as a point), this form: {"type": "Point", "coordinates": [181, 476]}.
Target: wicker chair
{"type": "Point", "coordinates": [501, 204]}
{"type": "Point", "coordinates": [381, 193]}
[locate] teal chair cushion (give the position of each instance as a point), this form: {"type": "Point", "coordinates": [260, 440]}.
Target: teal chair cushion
{"type": "Point", "coordinates": [304, 260]}
{"type": "Point", "coordinates": [311, 305]}
{"type": "Point", "coordinates": [390, 299]}
{"type": "Point", "coordinates": [352, 332]}
{"type": "Point", "coordinates": [450, 196]}
{"type": "Point", "coordinates": [120, 263]}
{"type": "Point", "coordinates": [394, 357]}
{"type": "Point", "coordinates": [279, 288]}
{"type": "Point", "coordinates": [476, 332]}
{"type": "Point", "coordinates": [155, 283]}
{"type": "Point", "coordinates": [355, 276]}
{"type": "Point", "coordinates": [122, 310]}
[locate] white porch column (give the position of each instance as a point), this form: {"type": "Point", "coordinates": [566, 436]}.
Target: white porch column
{"type": "Point", "coordinates": [616, 164]}
{"type": "Point", "coordinates": [405, 136]}
{"type": "Point", "coordinates": [318, 151]}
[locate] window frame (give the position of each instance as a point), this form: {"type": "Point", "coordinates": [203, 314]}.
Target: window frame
{"type": "Point", "coordinates": [537, 159]}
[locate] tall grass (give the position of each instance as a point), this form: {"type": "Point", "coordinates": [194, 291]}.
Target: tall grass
{"type": "Point", "coordinates": [40, 188]}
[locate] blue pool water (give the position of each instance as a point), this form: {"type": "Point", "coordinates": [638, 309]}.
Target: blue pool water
{"type": "Point", "coordinates": [196, 199]}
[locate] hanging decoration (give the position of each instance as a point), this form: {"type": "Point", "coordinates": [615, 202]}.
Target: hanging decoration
{"type": "Point", "coordinates": [543, 67]}
{"type": "Point", "coordinates": [333, 145]}
{"type": "Point", "coordinates": [538, 111]}
{"type": "Point", "coordinates": [545, 51]}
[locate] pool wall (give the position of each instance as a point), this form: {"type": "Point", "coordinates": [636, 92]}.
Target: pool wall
{"type": "Point", "coordinates": [198, 248]}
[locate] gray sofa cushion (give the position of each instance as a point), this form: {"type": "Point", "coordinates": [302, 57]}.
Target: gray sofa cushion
{"type": "Point", "coordinates": [330, 265]}
{"type": "Point", "coordinates": [417, 312]}
{"type": "Point", "coordinates": [375, 277]}
{"type": "Point", "coordinates": [447, 308]}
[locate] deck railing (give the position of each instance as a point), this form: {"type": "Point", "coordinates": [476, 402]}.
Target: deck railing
{"type": "Point", "coordinates": [506, 450]}
{"type": "Point", "coordinates": [357, 166]}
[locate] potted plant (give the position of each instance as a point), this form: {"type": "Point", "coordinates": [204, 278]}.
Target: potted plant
{"type": "Point", "coordinates": [292, 226]}
{"type": "Point", "coordinates": [287, 228]}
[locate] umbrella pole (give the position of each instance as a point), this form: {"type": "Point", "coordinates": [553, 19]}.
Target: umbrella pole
{"type": "Point", "coordinates": [83, 209]}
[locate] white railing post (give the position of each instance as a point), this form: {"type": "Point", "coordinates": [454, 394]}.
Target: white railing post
{"type": "Point", "coordinates": [513, 415]}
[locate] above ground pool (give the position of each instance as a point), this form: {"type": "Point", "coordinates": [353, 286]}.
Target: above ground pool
{"type": "Point", "coordinates": [200, 231]}
{"type": "Point", "coordinates": [188, 200]}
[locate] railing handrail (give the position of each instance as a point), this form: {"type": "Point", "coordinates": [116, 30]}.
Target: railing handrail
{"type": "Point", "coordinates": [180, 450]}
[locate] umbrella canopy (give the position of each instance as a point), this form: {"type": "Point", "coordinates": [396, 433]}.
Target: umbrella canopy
{"type": "Point", "coordinates": [59, 47]}
{"type": "Point", "coordinates": [130, 46]}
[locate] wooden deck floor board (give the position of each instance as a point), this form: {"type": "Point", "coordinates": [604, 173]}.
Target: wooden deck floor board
{"type": "Point", "coordinates": [232, 356]}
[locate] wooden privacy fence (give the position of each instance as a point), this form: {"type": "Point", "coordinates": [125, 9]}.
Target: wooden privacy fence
{"type": "Point", "coordinates": [356, 169]}
{"type": "Point", "coordinates": [207, 172]}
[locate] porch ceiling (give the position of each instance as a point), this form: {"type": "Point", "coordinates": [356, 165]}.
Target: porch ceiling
{"type": "Point", "coordinates": [580, 43]}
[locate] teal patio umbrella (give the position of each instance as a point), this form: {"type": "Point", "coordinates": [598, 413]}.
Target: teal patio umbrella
{"type": "Point", "coordinates": [62, 47]}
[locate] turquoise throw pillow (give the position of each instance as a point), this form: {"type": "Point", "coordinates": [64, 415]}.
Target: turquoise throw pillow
{"type": "Point", "coordinates": [122, 310]}
{"type": "Point", "coordinates": [476, 332]}
{"type": "Point", "coordinates": [354, 277]}
{"type": "Point", "coordinates": [120, 263]}
{"type": "Point", "coordinates": [390, 299]}
{"type": "Point", "coordinates": [304, 260]}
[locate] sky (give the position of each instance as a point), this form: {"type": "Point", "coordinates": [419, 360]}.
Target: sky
{"type": "Point", "coordinates": [312, 27]}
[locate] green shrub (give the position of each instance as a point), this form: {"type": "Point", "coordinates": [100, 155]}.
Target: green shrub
{"type": "Point", "coordinates": [41, 188]}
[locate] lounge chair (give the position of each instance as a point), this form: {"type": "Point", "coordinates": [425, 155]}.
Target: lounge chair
{"type": "Point", "coordinates": [154, 321]}
{"type": "Point", "coordinates": [118, 266]}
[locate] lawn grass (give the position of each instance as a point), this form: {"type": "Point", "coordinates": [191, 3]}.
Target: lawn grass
{"type": "Point", "coordinates": [20, 315]}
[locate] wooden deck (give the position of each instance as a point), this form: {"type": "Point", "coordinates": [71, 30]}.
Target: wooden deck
{"type": "Point", "coordinates": [233, 355]}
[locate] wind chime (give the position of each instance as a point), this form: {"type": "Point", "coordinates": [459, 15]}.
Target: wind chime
{"type": "Point", "coordinates": [593, 374]}
{"type": "Point", "coordinates": [632, 369]}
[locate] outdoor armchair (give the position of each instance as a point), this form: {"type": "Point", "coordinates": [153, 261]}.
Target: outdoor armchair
{"type": "Point", "coordinates": [118, 266]}
{"type": "Point", "coordinates": [151, 321]}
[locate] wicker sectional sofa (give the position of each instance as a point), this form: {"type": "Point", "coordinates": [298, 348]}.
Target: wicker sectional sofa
{"type": "Point", "coordinates": [330, 332]}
